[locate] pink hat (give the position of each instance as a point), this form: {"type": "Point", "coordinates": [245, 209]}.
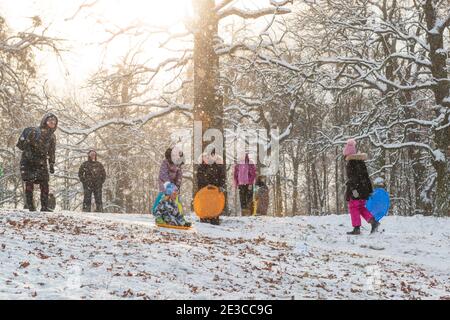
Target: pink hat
{"type": "Point", "coordinates": [350, 147]}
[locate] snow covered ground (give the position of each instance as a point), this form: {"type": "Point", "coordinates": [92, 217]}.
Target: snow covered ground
{"type": "Point", "coordinates": [108, 256]}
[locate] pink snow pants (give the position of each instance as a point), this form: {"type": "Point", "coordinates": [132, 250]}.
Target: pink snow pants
{"type": "Point", "coordinates": [357, 209]}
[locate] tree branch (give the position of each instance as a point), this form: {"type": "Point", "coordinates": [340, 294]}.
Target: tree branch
{"type": "Point", "coordinates": [252, 14]}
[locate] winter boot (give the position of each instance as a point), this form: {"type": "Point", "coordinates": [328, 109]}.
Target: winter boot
{"type": "Point", "coordinates": [44, 204]}
{"type": "Point", "coordinates": [51, 201]}
{"type": "Point", "coordinates": [29, 201]}
{"type": "Point", "coordinates": [215, 221]}
{"type": "Point", "coordinates": [356, 231]}
{"type": "Point", "coordinates": [375, 224]}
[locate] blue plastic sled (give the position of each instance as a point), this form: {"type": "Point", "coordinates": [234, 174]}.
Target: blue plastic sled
{"type": "Point", "coordinates": [378, 204]}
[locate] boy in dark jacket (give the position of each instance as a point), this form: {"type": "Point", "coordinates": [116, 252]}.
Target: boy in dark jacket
{"type": "Point", "coordinates": [92, 175]}
{"type": "Point", "coordinates": [359, 188]}
{"type": "Point", "coordinates": [262, 196]}
{"type": "Point", "coordinates": [38, 148]}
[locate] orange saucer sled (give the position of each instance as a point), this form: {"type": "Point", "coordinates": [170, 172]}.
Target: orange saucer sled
{"type": "Point", "coordinates": [209, 202]}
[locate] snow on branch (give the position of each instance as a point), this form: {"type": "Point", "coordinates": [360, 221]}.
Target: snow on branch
{"type": "Point", "coordinates": [242, 112]}
{"type": "Point", "coordinates": [25, 40]}
{"type": "Point", "coordinates": [377, 141]}
{"type": "Point", "coordinates": [126, 122]}
{"type": "Point", "coordinates": [281, 3]}
{"type": "Point", "coordinates": [264, 58]}
{"type": "Point", "coordinates": [400, 145]}
{"type": "Point", "coordinates": [251, 14]}
{"type": "Point", "coordinates": [383, 28]}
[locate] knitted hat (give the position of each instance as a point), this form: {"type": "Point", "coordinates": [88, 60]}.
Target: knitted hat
{"type": "Point", "coordinates": [379, 182]}
{"type": "Point", "coordinates": [350, 147]}
{"type": "Point", "coordinates": [170, 188]}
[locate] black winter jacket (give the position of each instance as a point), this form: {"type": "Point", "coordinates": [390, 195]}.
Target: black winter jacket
{"type": "Point", "coordinates": [211, 174]}
{"type": "Point", "coordinates": [359, 186]}
{"type": "Point", "coordinates": [39, 148]}
{"type": "Point", "coordinates": [92, 174]}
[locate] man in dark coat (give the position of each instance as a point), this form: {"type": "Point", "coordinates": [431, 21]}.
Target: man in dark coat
{"type": "Point", "coordinates": [38, 147]}
{"type": "Point", "coordinates": [92, 175]}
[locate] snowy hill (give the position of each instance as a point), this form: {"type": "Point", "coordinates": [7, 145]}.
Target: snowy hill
{"type": "Point", "coordinates": [107, 256]}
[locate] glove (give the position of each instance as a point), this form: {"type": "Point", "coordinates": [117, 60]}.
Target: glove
{"type": "Point", "coordinates": [355, 194]}
{"type": "Point", "coordinates": [52, 168]}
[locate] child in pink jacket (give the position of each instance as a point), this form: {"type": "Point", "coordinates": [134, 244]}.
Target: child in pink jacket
{"type": "Point", "coordinates": [244, 179]}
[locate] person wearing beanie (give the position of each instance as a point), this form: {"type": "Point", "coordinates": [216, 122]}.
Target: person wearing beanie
{"type": "Point", "coordinates": [168, 211]}
{"type": "Point", "coordinates": [358, 188]}
{"type": "Point", "coordinates": [350, 148]}
{"type": "Point", "coordinates": [92, 175]}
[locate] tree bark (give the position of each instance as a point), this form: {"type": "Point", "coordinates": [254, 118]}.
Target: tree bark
{"type": "Point", "coordinates": [208, 102]}
{"type": "Point", "coordinates": [441, 90]}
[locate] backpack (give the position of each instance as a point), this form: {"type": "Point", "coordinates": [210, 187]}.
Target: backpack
{"type": "Point", "coordinates": [22, 143]}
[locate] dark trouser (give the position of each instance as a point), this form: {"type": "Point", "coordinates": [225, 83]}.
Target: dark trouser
{"type": "Point", "coordinates": [88, 191]}
{"type": "Point", "coordinates": [29, 188]}
{"type": "Point", "coordinates": [246, 196]}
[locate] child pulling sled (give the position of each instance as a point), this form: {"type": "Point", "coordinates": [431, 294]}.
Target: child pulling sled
{"type": "Point", "coordinates": [359, 188]}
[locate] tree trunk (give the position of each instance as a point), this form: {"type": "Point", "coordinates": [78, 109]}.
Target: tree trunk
{"type": "Point", "coordinates": [441, 90]}
{"type": "Point", "coordinates": [124, 194]}
{"type": "Point", "coordinates": [336, 180]}
{"type": "Point", "coordinates": [295, 189]}
{"type": "Point", "coordinates": [208, 103]}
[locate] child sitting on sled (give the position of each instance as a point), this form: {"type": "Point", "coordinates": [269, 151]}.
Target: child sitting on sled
{"type": "Point", "coordinates": [168, 210]}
